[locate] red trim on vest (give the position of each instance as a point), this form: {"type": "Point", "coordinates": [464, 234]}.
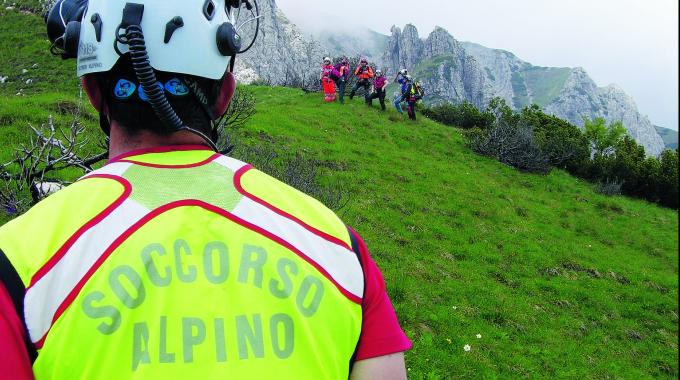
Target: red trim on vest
{"type": "Point", "coordinates": [170, 206]}
{"type": "Point", "coordinates": [93, 222]}
{"type": "Point", "coordinates": [237, 184]}
{"type": "Point", "coordinates": [183, 166]}
{"type": "Point", "coordinates": [158, 149]}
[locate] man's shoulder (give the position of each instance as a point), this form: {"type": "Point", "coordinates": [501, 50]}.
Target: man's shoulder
{"type": "Point", "coordinates": [70, 203]}
{"type": "Point", "coordinates": [290, 202]}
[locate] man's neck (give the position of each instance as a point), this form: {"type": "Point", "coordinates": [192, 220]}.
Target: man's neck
{"type": "Point", "coordinates": [122, 142]}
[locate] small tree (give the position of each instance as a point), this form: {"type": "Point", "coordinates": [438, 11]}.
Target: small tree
{"type": "Point", "coordinates": [603, 139]}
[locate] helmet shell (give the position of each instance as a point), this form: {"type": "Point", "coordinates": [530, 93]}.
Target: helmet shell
{"type": "Point", "coordinates": [191, 50]}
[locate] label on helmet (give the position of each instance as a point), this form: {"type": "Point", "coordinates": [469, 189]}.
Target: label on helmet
{"type": "Point", "coordinates": [142, 94]}
{"type": "Point", "coordinates": [176, 87]}
{"type": "Point", "coordinates": [124, 89]}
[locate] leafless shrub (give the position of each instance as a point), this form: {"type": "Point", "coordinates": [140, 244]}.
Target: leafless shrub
{"type": "Point", "coordinates": [26, 178]}
{"type": "Point", "coordinates": [241, 109]}
{"type": "Point", "coordinates": [511, 145]}
{"type": "Point", "coordinates": [609, 187]}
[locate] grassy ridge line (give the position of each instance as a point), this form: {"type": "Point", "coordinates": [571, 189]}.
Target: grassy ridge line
{"type": "Point", "coordinates": [558, 280]}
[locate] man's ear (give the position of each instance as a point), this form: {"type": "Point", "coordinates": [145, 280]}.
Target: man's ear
{"type": "Point", "coordinates": [226, 93]}
{"type": "Point", "coordinates": [91, 87]}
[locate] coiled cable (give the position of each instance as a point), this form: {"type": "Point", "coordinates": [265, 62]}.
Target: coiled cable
{"type": "Point", "coordinates": [134, 38]}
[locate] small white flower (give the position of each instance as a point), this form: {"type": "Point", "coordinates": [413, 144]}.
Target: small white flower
{"type": "Point", "coordinates": [455, 307]}
{"type": "Point", "coordinates": [479, 336]}
{"type": "Point", "coordinates": [467, 348]}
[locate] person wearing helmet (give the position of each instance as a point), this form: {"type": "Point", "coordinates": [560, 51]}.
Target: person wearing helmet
{"type": "Point", "coordinates": [379, 84]}
{"type": "Point", "coordinates": [402, 73]}
{"type": "Point", "coordinates": [401, 78]}
{"type": "Point", "coordinates": [328, 77]}
{"type": "Point", "coordinates": [364, 73]}
{"type": "Point", "coordinates": [410, 96]}
{"type": "Point", "coordinates": [173, 261]}
{"type": "Point", "coordinates": [343, 70]}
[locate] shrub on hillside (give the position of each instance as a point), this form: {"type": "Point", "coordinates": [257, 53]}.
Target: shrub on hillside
{"type": "Point", "coordinates": [513, 145]}
{"type": "Point", "coordinates": [464, 115]}
{"type": "Point", "coordinates": [650, 178]}
{"type": "Point", "coordinates": [609, 187]}
{"type": "Point", "coordinates": [564, 143]}
{"type": "Point", "coordinates": [668, 181]}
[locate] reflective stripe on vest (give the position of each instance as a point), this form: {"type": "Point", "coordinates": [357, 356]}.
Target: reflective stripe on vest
{"type": "Point", "coordinates": [58, 282]}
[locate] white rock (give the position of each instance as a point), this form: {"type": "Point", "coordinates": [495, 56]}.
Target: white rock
{"type": "Point", "coordinates": [48, 188]}
{"type": "Point", "coordinates": [24, 71]}
{"type": "Point", "coordinates": [29, 81]}
{"type": "Point", "coordinates": [3, 79]}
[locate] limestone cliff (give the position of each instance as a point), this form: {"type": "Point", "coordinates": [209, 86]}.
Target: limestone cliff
{"type": "Point", "coordinates": [282, 54]}
{"type": "Point", "coordinates": [440, 63]}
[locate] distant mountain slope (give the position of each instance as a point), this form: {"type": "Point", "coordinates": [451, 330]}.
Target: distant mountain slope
{"type": "Point", "coordinates": [518, 82]}
{"type": "Point", "coordinates": [669, 136]}
{"type": "Point", "coordinates": [456, 71]}
{"type": "Point", "coordinates": [440, 63]}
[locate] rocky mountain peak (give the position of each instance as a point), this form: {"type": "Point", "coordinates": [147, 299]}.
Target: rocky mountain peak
{"type": "Point", "coordinates": [441, 42]}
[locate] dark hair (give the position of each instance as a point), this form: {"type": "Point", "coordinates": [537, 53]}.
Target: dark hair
{"type": "Point", "coordinates": [135, 115]}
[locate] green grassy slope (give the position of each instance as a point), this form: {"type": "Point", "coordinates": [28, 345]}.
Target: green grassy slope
{"type": "Point", "coordinates": [559, 281]}
{"type": "Point", "coordinates": [545, 83]}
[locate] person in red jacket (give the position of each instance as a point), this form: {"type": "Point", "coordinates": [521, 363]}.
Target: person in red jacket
{"type": "Point", "coordinates": [329, 74]}
{"type": "Point", "coordinates": [379, 85]}
{"type": "Point", "coordinates": [365, 73]}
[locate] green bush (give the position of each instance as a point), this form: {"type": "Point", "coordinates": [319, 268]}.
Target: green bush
{"type": "Point", "coordinates": [650, 178]}
{"type": "Point", "coordinates": [464, 115]}
{"type": "Point", "coordinates": [563, 143]}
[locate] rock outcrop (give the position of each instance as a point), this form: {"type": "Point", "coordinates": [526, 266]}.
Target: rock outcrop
{"type": "Point", "coordinates": [282, 54]}
{"type": "Point", "coordinates": [440, 63]}
{"type": "Point", "coordinates": [581, 98]}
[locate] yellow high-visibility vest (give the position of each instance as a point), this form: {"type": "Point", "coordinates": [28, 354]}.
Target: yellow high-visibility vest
{"type": "Point", "coordinates": [186, 264]}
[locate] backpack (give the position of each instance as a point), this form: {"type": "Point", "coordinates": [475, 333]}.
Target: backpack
{"type": "Point", "coordinates": [330, 72]}
{"type": "Point", "coordinates": [417, 90]}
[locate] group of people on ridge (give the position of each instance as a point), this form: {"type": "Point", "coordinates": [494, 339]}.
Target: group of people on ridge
{"type": "Point", "coordinates": [337, 75]}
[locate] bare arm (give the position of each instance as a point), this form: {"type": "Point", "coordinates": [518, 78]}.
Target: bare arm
{"type": "Point", "coordinates": [388, 367]}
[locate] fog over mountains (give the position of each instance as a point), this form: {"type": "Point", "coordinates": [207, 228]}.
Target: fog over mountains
{"type": "Point", "coordinates": [450, 70]}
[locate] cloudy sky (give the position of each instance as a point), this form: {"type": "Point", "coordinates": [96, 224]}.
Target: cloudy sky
{"type": "Point", "coordinates": [633, 43]}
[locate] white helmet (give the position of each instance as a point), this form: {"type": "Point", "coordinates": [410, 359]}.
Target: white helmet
{"type": "Point", "coordinates": [194, 37]}
{"type": "Point", "coordinates": [378, 73]}
{"type": "Point", "coordinates": [327, 60]}
{"type": "Point", "coordinates": [403, 72]}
